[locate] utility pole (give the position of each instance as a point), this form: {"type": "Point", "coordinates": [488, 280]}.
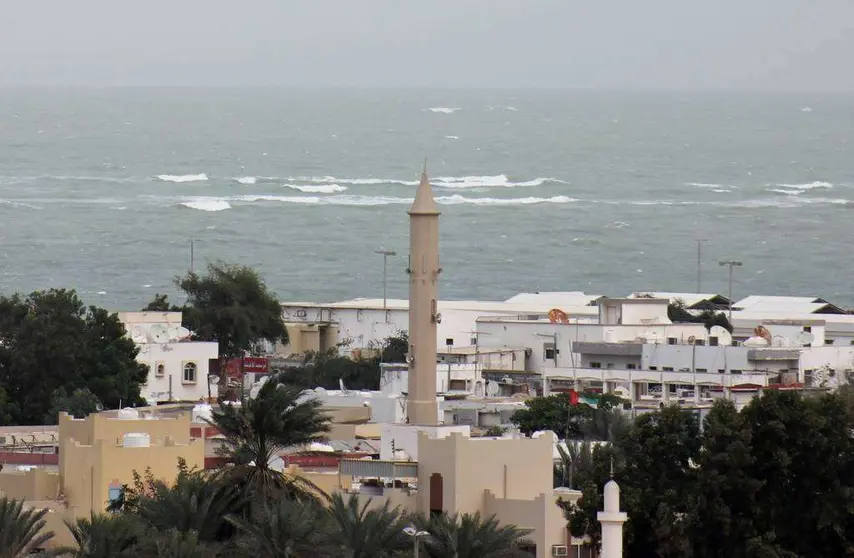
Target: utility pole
{"type": "Point", "coordinates": [700, 242]}
{"type": "Point", "coordinates": [385, 255]}
{"type": "Point", "coordinates": [731, 264]}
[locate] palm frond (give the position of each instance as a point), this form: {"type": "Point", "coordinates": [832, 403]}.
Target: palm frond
{"type": "Point", "coordinates": [21, 530]}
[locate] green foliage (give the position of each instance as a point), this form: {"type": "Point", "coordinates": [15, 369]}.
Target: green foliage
{"type": "Point", "coordinates": [50, 340]}
{"type": "Point", "coordinates": [570, 421]}
{"type": "Point", "coordinates": [363, 531]}
{"type": "Point", "coordinates": [20, 529]}
{"type": "Point", "coordinates": [105, 536]}
{"type": "Point", "coordinates": [677, 313]}
{"type": "Point", "coordinates": [261, 429]}
{"type": "Point", "coordinates": [472, 536]}
{"type": "Point", "coordinates": [172, 544]}
{"type": "Point", "coordinates": [496, 431]}
{"type": "Point", "coordinates": [80, 403]}
{"type": "Point", "coordinates": [231, 305]}
{"type": "Point", "coordinates": [284, 529]}
{"type": "Point", "coordinates": [160, 303]}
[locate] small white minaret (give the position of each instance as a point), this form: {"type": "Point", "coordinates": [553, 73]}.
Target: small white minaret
{"type": "Point", "coordinates": [611, 519]}
{"type": "Point", "coordinates": [423, 270]}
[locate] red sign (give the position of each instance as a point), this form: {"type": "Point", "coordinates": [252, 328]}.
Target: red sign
{"type": "Point", "coordinates": [236, 367]}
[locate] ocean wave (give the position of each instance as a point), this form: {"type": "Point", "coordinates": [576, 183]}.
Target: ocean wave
{"type": "Point", "coordinates": [182, 177]}
{"type": "Point", "coordinates": [247, 180]}
{"type": "Point", "coordinates": [353, 181]}
{"type": "Point", "coordinates": [207, 204]}
{"type": "Point", "coordinates": [808, 186]}
{"type": "Point", "coordinates": [786, 192]}
{"type": "Point", "coordinates": [11, 203]}
{"type": "Point", "coordinates": [452, 137]}
{"type": "Point", "coordinates": [444, 110]}
{"type": "Point", "coordinates": [351, 200]}
{"type": "Point", "coordinates": [318, 188]}
{"type": "Point", "coordinates": [474, 181]}
{"type": "Point", "coordinates": [704, 185]}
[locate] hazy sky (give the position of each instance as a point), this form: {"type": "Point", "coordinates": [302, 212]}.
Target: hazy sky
{"type": "Point", "coordinates": [778, 44]}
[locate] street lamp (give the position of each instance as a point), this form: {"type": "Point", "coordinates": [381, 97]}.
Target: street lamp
{"type": "Point", "coordinates": [731, 264]}
{"type": "Point", "coordinates": [385, 255]}
{"type": "Point", "coordinates": [415, 534]}
{"type": "Point", "coordinates": [699, 244]}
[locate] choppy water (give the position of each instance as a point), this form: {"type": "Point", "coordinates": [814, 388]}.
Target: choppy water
{"type": "Point", "coordinates": [101, 190]}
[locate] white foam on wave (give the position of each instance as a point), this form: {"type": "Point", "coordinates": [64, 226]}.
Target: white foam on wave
{"type": "Point", "coordinates": [247, 180]}
{"type": "Point", "coordinates": [452, 137]}
{"type": "Point", "coordinates": [318, 188]}
{"type": "Point", "coordinates": [444, 110]}
{"type": "Point", "coordinates": [353, 181]}
{"type": "Point", "coordinates": [182, 177]}
{"type": "Point", "coordinates": [786, 192]}
{"type": "Point", "coordinates": [808, 186]}
{"type": "Point", "coordinates": [11, 203]}
{"type": "Point", "coordinates": [704, 185]}
{"type": "Point", "coordinates": [497, 181]}
{"type": "Point", "coordinates": [511, 109]}
{"type": "Point", "coordinates": [721, 190]}
{"type": "Point", "coordinates": [350, 200]}
{"type": "Point", "coordinates": [806, 109]}
{"type": "Point", "coordinates": [207, 204]}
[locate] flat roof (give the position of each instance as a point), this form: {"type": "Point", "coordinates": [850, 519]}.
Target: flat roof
{"type": "Point", "coordinates": [497, 306]}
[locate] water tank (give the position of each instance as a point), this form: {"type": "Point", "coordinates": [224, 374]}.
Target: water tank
{"type": "Point", "coordinates": [202, 413]}
{"type": "Point", "coordinates": [610, 336]}
{"type": "Point", "coordinates": [128, 414]}
{"type": "Point", "coordinates": [136, 440]}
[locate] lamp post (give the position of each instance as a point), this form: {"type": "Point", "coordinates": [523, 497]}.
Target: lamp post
{"type": "Point", "coordinates": [385, 255]}
{"type": "Point", "coordinates": [731, 264]}
{"type": "Point", "coordinates": [415, 534]}
{"type": "Point", "coordinates": [700, 242]}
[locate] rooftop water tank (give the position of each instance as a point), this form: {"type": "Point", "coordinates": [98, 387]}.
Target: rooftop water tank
{"type": "Point", "coordinates": [136, 440]}
{"type": "Point", "coordinates": [202, 413]}
{"type": "Point", "coordinates": [128, 414]}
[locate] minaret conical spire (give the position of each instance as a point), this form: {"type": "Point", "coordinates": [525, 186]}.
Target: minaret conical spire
{"type": "Point", "coordinates": [424, 203]}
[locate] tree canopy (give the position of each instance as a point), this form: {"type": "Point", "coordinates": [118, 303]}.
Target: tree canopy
{"type": "Point", "coordinates": [52, 346]}
{"type": "Point", "coordinates": [568, 421]}
{"type": "Point", "coordinates": [677, 313]}
{"type": "Point", "coordinates": [230, 304]}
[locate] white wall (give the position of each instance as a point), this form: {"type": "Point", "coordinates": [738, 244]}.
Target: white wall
{"type": "Point", "coordinates": [395, 381]}
{"type": "Point", "coordinates": [173, 357]}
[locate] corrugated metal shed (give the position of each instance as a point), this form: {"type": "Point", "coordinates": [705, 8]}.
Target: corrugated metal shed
{"type": "Point", "coordinates": [374, 468]}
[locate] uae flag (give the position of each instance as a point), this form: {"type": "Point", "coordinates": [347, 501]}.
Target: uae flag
{"type": "Point", "coordinates": [576, 398]}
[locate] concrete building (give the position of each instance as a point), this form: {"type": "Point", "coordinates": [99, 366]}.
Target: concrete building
{"type": "Point", "coordinates": [97, 455]}
{"type": "Point", "coordinates": [178, 368]}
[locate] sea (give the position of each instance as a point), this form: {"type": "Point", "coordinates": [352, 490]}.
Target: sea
{"type": "Point", "coordinates": [104, 190]}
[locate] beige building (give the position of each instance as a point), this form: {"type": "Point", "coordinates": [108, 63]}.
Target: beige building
{"type": "Point", "coordinates": [97, 455]}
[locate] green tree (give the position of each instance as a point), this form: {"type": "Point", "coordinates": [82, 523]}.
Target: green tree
{"type": "Point", "coordinates": [473, 536]}
{"type": "Point", "coordinates": [232, 305]}
{"type": "Point", "coordinates": [677, 313]}
{"type": "Point", "coordinates": [50, 340]}
{"type": "Point", "coordinates": [194, 503]}
{"type": "Point", "coordinates": [173, 544]}
{"type": "Point", "coordinates": [590, 477]}
{"type": "Point", "coordinates": [284, 529]}
{"type": "Point", "coordinates": [105, 536]}
{"type": "Point", "coordinates": [21, 531]}
{"type": "Point", "coordinates": [160, 303]}
{"type": "Point", "coordinates": [363, 531]}
{"type": "Point", "coordinates": [722, 519]}
{"type": "Point", "coordinates": [80, 403]}
{"type": "Point", "coordinates": [279, 417]}
{"type": "Point", "coordinates": [568, 421]}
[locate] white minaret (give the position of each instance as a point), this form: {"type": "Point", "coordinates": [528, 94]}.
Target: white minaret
{"type": "Point", "coordinates": [611, 519]}
{"type": "Point", "coordinates": [423, 270]}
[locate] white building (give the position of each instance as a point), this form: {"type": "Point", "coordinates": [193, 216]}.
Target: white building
{"type": "Point", "coordinates": [178, 369]}
{"type": "Point", "coordinates": [362, 324]}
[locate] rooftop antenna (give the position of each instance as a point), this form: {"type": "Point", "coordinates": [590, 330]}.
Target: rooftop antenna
{"type": "Point", "coordinates": [612, 467]}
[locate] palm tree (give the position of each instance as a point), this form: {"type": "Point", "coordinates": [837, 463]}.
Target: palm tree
{"type": "Point", "coordinates": [576, 462]}
{"type": "Point", "coordinates": [20, 529]}
{"type": "Point", "coordinates": [261, 429]}
{"type": "Point", "coordinates": [471, 536]}
{"type": "Point", "coordinates": [605, 425]}
{"type": "Point", "coordinates": [172, 544]}
{"type": "Point", "coordinates": [193, 504]}
{"type": "Point", "coordinates": [104, 536]}
{"type": "Point", "coordinates": [361, 532]}
{"type": "Point", "coordinates": [284, 529]}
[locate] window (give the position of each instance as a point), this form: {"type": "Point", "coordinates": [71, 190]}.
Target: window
{"type": "Point", "coordinates": [721, 371]}
{"type": "Point", "coordinates": [828, 341]}
{"type": "Point", "coordinates": [609, 366]}
{"type": "Point", "coordinates": [702, 370]}
{"type": "Point", "coordinates": [551, 352]}
{"type": "Point", "coordinates": [160, 370]}
{"type": "Point", "coordinates": [668, 369]}
{"type": "Point", "coordinates": [473, 341]}
{"type": "Point", "coordinates": [700, 342]}
{"type": "Point", "coordinates": [671, 340]}
{"type": "Point", "coordinates": [595, 365]}
{"type": "Point", "coordinates": [114, 493]}
{"type": "Point", "coordinates": [190, 372]}
{"type": "Point", "coordinates": [713, 341]}
{"type": "Point", "coordinates": [734, 371]}
{"type": "Point", "coordinates": [807, 328]}
{"type": "Point", "coordinates": [653, 367]}
{"type": "Point", "coordinates": [631, 367]}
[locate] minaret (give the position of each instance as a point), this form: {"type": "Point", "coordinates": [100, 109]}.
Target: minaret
{"type": "Point", "coordinates": [611, 519]}
{"type": "Point", "coordinates": [423, 273]}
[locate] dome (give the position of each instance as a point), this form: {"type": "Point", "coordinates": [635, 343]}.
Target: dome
{"type": "Point", "coordinates": [128, 414]}
{"type": "Point", "coordinates": [612, 496]}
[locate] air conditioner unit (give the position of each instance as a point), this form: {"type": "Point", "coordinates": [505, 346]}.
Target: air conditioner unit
{"type": "Point", "coordinates": [560, 550]}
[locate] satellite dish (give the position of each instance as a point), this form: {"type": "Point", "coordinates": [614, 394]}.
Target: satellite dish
{"type": "Point", "coordinates": [724, 337]}
{"type": "Point", "coordinates": [492, 389]}
{"type": "Point", "coordinates": [183, 333]}
{"type": "Point", "coordinates": [692, 340]}
{"type": "Point", "coordinates": [158, 334]}
{"type": "Point", "coordinates": [137, 334]}
{"type": "Point", "coordinates": [173, 333]}
{"type": "Point", "coordinates": [213, 379]}
{"type": "Point", "coordinates": [806, 338]}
